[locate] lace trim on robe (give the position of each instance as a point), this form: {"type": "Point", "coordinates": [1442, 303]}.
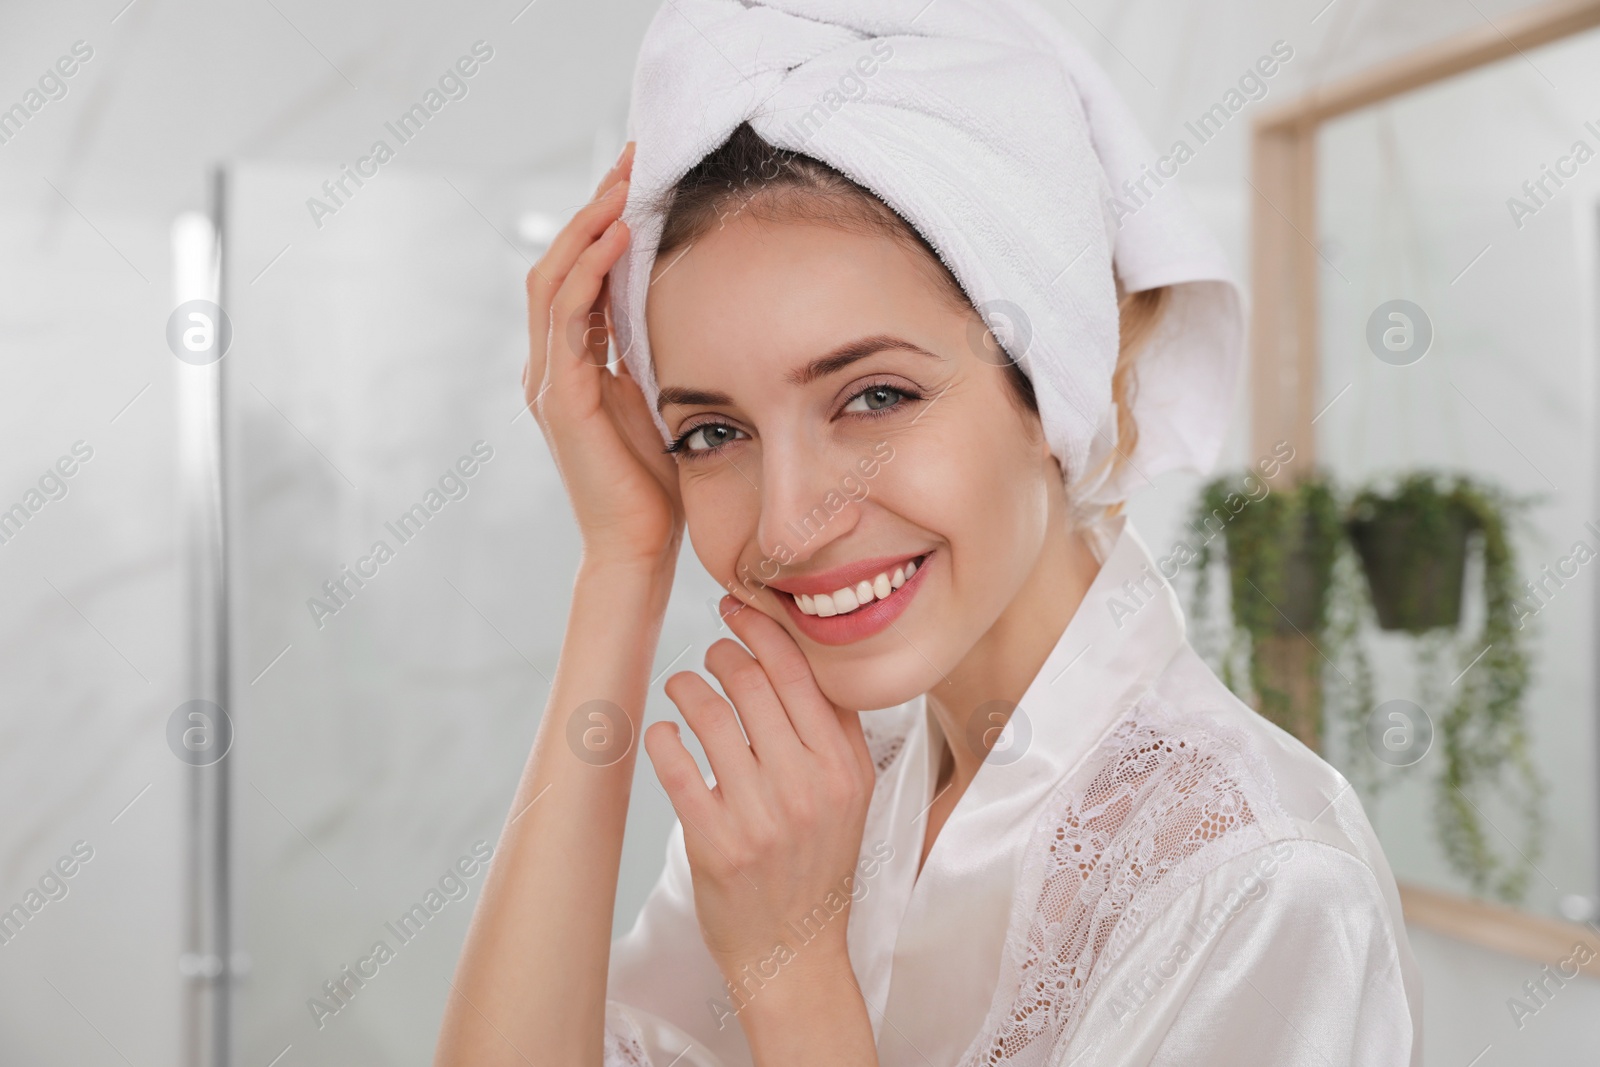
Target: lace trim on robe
{"type": "Point", "coordinates": [623, 1047]}
{"type": "Point", "coordinates": [885, 739]}
{"type": "Point", "coordinates": [1164, 799]}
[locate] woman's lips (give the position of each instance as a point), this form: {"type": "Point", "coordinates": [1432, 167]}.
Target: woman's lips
{"type": "Point", "coordinates": [864, 621]}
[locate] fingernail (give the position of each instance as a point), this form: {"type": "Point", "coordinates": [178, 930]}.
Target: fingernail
{"type": "Point", "coordinates": [729, 606]}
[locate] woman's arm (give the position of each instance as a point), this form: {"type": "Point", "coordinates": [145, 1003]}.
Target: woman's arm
{"type": "Point", "coordinates": [530, 986]}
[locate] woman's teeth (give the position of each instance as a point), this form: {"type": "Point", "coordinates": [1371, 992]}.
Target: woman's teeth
{"type": "Point", "coordinates": [844, 601]}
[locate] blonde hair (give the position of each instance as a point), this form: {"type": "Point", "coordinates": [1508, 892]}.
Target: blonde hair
{"type": "Point", "coordinates": [1139, 314]}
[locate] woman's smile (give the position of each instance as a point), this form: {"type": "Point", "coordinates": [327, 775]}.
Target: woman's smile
{"type": "Point", "coordinates": [852, 602]}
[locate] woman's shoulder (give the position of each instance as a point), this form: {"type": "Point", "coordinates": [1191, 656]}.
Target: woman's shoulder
{"type": "Point", "coordinates": [1296, 793]}
{"type": "Point", "coordinates": [1207, 777]}
{"type": "Point", "coordinates": [1186, 779]}
{"type": "Point", "coordinates": [1187, 793]}
{"type": "Point", "coordinates": [1193, 786]}
{"type": "Point", "coordinates": [1280, 943]}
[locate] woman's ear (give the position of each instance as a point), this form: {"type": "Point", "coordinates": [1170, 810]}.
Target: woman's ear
{"type": "Point", "coordinates": [1033, 426]}
{"type": "Point", "coordinates": [1052, 466]}
{"type": "Point", "coordinates": [1042, 443]}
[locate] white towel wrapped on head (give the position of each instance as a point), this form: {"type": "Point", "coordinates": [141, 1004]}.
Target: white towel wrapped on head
{"type": "Point", "coordinates": [986, 127]}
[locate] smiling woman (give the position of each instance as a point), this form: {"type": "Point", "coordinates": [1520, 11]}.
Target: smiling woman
{"type": "Point", "coordinates": [1085, 848]}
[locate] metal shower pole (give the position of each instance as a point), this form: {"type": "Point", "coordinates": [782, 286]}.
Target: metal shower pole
{"type": "Point", "coordinates": [207, 963]}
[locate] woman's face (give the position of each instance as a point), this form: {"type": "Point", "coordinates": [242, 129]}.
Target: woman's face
{"type": "Point", "coordinates": [839, 423]}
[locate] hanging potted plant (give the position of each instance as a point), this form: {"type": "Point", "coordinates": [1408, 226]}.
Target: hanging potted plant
{"type": "Point", "coordinates": [1280, 548]}
{"type": "Point", "coordinates": [1297, 602]}
{"type": "Point", "coordinates": [1413, 548]}
{"type": "Point", "coordinates": [1413, 539]}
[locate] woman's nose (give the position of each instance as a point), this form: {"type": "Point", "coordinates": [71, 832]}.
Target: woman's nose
{"type": "Point", "coordinates": [806, 503]}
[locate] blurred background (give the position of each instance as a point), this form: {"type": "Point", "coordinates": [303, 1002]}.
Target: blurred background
{"type": "Point", "coordinates": [373, 730]}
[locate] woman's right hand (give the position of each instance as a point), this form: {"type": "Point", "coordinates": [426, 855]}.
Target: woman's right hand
{"type": "Point", "coordinates": [623, 486]}
{"type": "Point", "coordinates": [533, 971]}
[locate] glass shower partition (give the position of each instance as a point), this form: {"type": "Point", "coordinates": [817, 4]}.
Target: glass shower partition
{"type": "Point", "coordinates": [402, 559]}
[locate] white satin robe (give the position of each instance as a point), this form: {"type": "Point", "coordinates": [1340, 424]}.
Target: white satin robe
{"type": "Point", "coordinates": [1143, 871]}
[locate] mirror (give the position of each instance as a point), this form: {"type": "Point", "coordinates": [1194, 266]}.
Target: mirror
{"type": "Point", "coordinates": [1438, 314]}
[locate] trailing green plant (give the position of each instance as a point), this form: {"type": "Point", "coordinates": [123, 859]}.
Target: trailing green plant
{"type": "Point", "coordinates": [1349, 698]}
{"type": "Point", "coordinates": [1294, 568]}
{"type": "Point", "coordinates": [1482, 732]}
{"type": "Point", "coordinates": [1281, 549]}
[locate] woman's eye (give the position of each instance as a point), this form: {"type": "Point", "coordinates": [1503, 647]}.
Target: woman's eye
{"type": "Point", "coordinates": [875, 398]}
{"type": "Point", "coordinates": [705, 438]}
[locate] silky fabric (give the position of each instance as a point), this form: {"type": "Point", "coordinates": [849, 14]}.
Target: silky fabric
{"type": "Point", "coordinates": [1143, 871]}
{"type": "Point", "coordinates": [991, 131]}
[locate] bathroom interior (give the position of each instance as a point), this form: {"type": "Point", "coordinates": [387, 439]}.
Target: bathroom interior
{"type": "Point", "coordinates": [263, 745]}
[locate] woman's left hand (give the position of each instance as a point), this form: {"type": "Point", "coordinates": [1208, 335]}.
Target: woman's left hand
{"type": "Point", "coordinates": [773, 846]}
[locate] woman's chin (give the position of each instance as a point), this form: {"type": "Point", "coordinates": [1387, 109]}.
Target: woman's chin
{"type": "Point", "coordinates": [869, 686]}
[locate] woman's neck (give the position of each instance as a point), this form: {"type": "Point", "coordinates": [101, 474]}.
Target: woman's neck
{"type": "Point", "coordinates": [992, 678]}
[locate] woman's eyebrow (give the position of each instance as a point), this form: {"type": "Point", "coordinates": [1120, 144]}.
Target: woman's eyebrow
{"type": "Point", "coordinates": [847, 354]}
{"type": "Point", "coordinates": [820, 367]}
{"type": "Point", "coordinates": [673, 394]}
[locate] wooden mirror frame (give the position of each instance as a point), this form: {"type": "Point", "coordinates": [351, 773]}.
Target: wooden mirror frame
{"type": "Point", "coordinates": [1285, 353]}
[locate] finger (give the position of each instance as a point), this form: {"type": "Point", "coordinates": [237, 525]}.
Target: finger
{"type": "Point", "coordinates": [679, 775]}
{"type": "Point", "coordinates": [598, 336]}
{"type": "Point", "coordinates": [856, 737]}
{"type": "Point", "coordinates": [573, 367]}
{"type": "Point", "coordinates": [579, 233]}
{"type": "Point", "coordinates": [772, 735]}
{"type": "Point", "coordinates": [585, 284]}
{"type": "Point", "coordinates": [546, 277]}
{"type": "Point", "coordinates": [619, 169]}
{"type": "Point", "coordinates": [713, 721]}
{"type": "Point", "coordinates": [816, 720]}
{"type": "Point", "coordinates": [539, 343]}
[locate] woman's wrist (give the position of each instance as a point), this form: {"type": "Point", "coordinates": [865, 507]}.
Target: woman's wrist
{"type": "Point", "coordinates": [631, 575]}
{"type": "Point", "coordinates": [811, 1011]}
{"type": "Point", "coordinates": [614, 623]}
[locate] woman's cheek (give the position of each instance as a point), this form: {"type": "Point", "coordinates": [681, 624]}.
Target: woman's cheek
{"type": "Point", "coordinates": [946, 488]}
{"type": "Point", "coordinates": [719, 532]}
{"type": "Point", "coordinates": [980, 495]}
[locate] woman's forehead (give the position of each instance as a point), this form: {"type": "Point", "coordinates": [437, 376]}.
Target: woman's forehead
{"type": "Point", "coordinates": [785, 294]}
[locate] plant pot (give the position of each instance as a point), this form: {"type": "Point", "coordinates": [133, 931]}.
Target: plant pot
{"type": "Point", "coordinates": [1302, 586]}
{"type": "Point", "coordinates": [1414, 575]}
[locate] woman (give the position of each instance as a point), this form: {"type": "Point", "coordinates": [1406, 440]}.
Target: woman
{"type": "Point", "coordinates": [905, 351]}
